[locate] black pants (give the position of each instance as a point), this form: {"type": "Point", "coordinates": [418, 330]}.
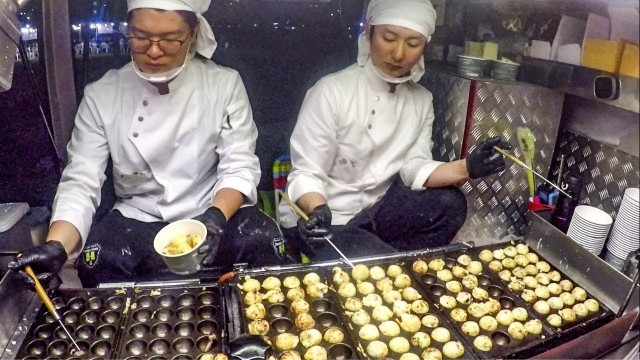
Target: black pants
{"type": "Point", "coordinates": [402, 220]}
{"type": "Point", "coordinates": [119, 249]}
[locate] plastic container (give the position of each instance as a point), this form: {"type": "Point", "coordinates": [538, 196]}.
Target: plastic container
{"type": "Point", "coordinates": [561, 217]}
{"type": "Point", "coordinates": [11, 213]}
{"type": "Point", "coordinates": [187, 262]}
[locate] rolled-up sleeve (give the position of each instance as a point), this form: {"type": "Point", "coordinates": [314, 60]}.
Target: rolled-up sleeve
{"type": "Point", "coordinates": [79, 191]}
{"type": "Point", "coordinates": [238, 165]}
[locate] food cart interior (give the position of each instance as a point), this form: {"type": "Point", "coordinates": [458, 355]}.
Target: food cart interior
{"type": "Point", "coordinates": [582, 120]}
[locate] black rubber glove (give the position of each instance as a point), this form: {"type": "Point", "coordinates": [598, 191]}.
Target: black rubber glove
{"type": "Point", "coordinates": [215, 221]}
{"type": "Point", "coordinates": [46, 260]}
{"type": "Point", "coordinates": [484, 160]}
{"type": "Point", "coordinates": [317, 227]}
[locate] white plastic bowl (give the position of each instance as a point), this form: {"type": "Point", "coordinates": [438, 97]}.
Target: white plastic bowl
{"type": "Point", "coordinates": [187, 262]}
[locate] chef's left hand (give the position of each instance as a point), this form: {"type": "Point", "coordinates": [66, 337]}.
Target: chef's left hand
{"type": "Point", "coordinates": [215, 221]}
{"type": "Point", "coordinates": [484, 160]}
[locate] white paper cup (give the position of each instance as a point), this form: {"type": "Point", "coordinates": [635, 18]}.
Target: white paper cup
{"type": "Point", "coordinates": [187, 262]}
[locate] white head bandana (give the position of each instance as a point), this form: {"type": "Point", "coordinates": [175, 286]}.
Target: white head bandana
{"type": "Point", "coordinates": [206, 42]}
{"type": "Point", "coordinates": [417, 15]}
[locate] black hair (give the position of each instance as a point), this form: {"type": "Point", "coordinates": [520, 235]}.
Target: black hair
{"type": "Point", "coordinates": [189, 17]}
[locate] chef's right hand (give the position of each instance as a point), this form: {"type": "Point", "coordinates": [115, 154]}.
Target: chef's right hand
{"type": "Point", "coordinates": [317, 227]}
{"type": "Point", "coordinates": [46, 260]}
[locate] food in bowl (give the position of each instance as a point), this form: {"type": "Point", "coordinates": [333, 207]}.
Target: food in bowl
{"type": "Point", "coordinates": [181, 243]}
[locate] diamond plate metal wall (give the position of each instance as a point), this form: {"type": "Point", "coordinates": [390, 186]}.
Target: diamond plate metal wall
{"type": "Point", "coordinates": [450, 100]}
{"type": "Point", "coordinates": [605, 171]}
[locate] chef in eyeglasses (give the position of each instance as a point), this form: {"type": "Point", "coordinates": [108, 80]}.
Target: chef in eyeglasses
{"type": "Point", "coordinates": [180, 132]}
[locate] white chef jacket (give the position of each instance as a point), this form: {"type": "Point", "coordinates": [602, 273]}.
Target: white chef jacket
{"type": "Point", "coordinates": [353, 136]}
{"type": "Point", "coordinates": [171, 153]}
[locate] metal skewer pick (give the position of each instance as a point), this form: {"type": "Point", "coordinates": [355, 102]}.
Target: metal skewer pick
{"type": "Point", "coordinates": [519, 162]}
{"type": "Point", "coordinates": [304, 216]}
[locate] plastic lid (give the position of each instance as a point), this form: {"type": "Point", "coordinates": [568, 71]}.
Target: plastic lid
{"type": "Point", "coordinates": [11, 213]}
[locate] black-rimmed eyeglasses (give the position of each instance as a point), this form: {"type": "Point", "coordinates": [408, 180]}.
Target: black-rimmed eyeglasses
{"type": "Point", "coordinates": [142, 45]}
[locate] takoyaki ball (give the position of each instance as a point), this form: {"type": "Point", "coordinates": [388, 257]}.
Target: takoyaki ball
{"type": "Point", "coordinates": [463, 298]}
{"type": "Point", "coordinates": [286, 355]}
{"type": "Point", "coordinates": [304, 321]}
{"type": "Point", "coordinates": [488, 323]}
{"type": "Point", "coordinates": [420, 267]}
{"type": "Point", "coordinates": [360, 317]}
{"type": "Point", "coordinates": [532, 257]}
{"type": "Point", "coordinates": [295, 294]}
{"type": "Point", "coordinates": [410, 294]}
{"type": "Point", "coordinates": [477, 310]}
{"type": "Point", "coordinates": [470, 281]}
{"type": "Point", "coordinates": [531, 270]}
{"type": "Point", "coordinates": [498, 254]}
{"type": "Point", "coordinates": [311, 278]}
{"type": "Point", "coordinates": [533, 326]}
{"type": "Point", "coordinates": [256, 312]}
{"type": "Point", "coordinates": [333, 335]}
{"type": "Point", "coordinates": [496, 265]}
{"type": "Point", "coordinates": [505, 317]}
{"type": "Point", "coordinates": [554, 320]}
{"type": "Point", "coordinates": [567, 315]}
{"type": "Point", "coordinates": [555, 303]}
{"type": "Point", "coordinates": [399, 345]}
{"type": "Point", "coordinates": [250, 284]}
{"type": "Point", "coordinates": [381, 313]}
{"type": "Point", "coordinates": [492, 306]}
{"type": "Point", "coordinates": [402, 281]}
{"type": "Point", "coordinates": [517, 330]}
{"type": "Point", "coordinates": [521, 260]}
{"type": "Point", "coordinates": [353, 304]}
{"type": "Point", "coordinates": [409, 356]}
{"type": "Point", "coordinates": [475, 267]}
{"type": "Point", "coordinates": [401, 307]}
{"type": "Point", "coordinates": [453, 349]}
{"type": "Point", "coordinates": [509, 263]}
{"type": "Point", "coordinates": [519, 272]}
{"type": "Point", "coordinates": [340, 276]}
{"type": "Point", "coordinates": [410, 322]}
{"type": "Point", "coordinates": [520, 314]}
{"type": "Point", "coordinates": [543, 279]}
{"type": "Point", "coordinates": [542, 292]}
{"type": "Point", "coordinates": [529, 296]}
{"type": "Point", "coordinates": [300, 306]}
{"type": "Point", "coordinates": [580, 310]}
{"type": "Point", "coordinates": [483, 343]}
{"type": "Point", "coordinates": [261, 327]}
{"type": "Point", "coordinates": [542, 307]}
{"type": "Point", "coordinates": [517, 285]}
{"type": "Point", "coordinates": [448, 302]}
{"type": "Point", "coordinates": [390, 296]}
{"type": "Point", "coordinates": [530, 281]}
{"type": "Point", "coordinates": [310, 337]}
{"type": "Point", "coordinates": [377, 349]}
{"type": "Point", "coordinates": [420, 307]}
{"type": "Point", "coordinates": [567, 299]}
{"type": "Point", "coordinates": [505, 275]}
{"type": "Point", "coordinates": [458, 271]}
{"type": "Point", "coordinates": [440, 335]}
{"type": "Point", "coordinates": [592, 305]}
{"type": "Point", "coordinates": [554, 288]}
{"type": "Point", "coordinates": [458, 315]}
{"type": "Point", "coordinates": [347, 290]}
{"type": "Point", "coordinates": [317, 290]}
{"type": "Point", "coordinates": [522, 249]}
{"type": "Point", "coordinates": [555, 276]}
{"type": "Point", "coordinates": [510, 251]}
{"type": "Point", "coordinates": [316, 353]}
{"type": "Point", "coordinates": [253, 297]}
{"type": "Point", "coordinates": [566, 285]}
{"type": "Point", "coordinates": [291, 282]}
{"type": "Point", "coordinates": [372, 300]}
{"type": "Point", "coordinates": [366, 288]}
{"type": "Point", "coordinates": [394, 270]}
{"type": "Point", "coordinates": [486, 255]}
{"type": "Point", "coordinates": [453, 286]}
{"type": "Point", "coordinates": [543, 266]}
{"type": "Point", "coordinates": [360, 272]}
{"type": "Point", "coordinates": [286, 341]}
{"type": "Point", "coordinates": [376, 273]}
{"type": "Point", "coordinates": [464, 259]}
{"type": "Point", "coordinates": [271, 283]}
{"type": "Point", "coordinates": [389, 328]}
{"type": "Point", "coordinates": [431, 354]}
{"type": "Point", "coordinates": [471, 328]}
{"type": "Point", "coordinates": [421, 340]}
{"type": "Point", "coordinates": [275, 296]}
{"type": "Point", "coordinates": [436, 264]}
{"type": "Point", "coordinates": [480, 294]}
{"type": "Point", "coordinates": [369, 332]}
{"type": "Point", "coordinates": [579, 293]}
{"type": "Point", "coordinates": [430, 321]}
{"type": "Point", "coordinates": [444, 275]}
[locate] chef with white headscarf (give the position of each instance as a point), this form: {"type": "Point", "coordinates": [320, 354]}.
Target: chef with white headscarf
{"type": "Point", "coordinates": [180, 133]}
{"type": "Point", "coordinates": [361, 148]}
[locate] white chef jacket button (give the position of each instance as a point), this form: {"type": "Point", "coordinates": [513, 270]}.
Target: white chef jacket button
{"type": "Point", "coordinates": [140, 118]}
{"type": "Point", "coordinates": [145, 102]}
{"type": "Point", "coordinates": [135, 134]}
{"type": "Point", "coordinates": [373, 112]}
{"type": "Point", "coordinates": [369, 126]}
{"type": "Point", "coordinates": [136, 173]}
{"type": "Point", "coordinates": [377, 98]}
